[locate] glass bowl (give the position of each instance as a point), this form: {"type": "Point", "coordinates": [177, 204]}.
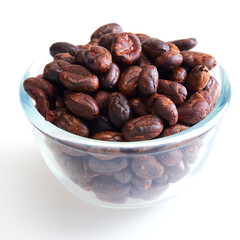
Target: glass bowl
{"type": "Point", "coordinates": [125, 174]}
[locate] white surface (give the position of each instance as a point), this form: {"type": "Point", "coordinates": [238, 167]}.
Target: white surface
{"type": "Point", "coordinates": [33, 204]}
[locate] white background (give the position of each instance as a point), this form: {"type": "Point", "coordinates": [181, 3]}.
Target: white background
{"type": "Point", "coordinates": [33, 204]}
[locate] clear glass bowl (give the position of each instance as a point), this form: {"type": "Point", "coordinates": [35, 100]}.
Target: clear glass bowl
{"type": "Point", "coordinates": [99, 172]}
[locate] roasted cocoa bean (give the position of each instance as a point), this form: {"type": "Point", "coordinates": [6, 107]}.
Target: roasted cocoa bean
{"type": "Point", "coordinates": [213, 88]}
{"type": "Point", "coordinates": [106, 40]}
{"type": "Point", "coordinates": [67, 57]}
{"type": "Point", "coordinates": [102, 99]}
{"type": "Point", "coordinates": [176, 128]}
{"type": "Point", "coordinates": [185, 44]}
{"type": "Point", "coordinates": [42, 101]}
{"type": "Point", "coordinates": [63, 47]}
{"type": "Point", "coordinates": [139, 107]}
{"type": "Point", "coordinates": [112, 136]}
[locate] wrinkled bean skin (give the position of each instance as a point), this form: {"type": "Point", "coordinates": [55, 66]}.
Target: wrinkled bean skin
{"type": "Point", "coordinates": [173, 129]}
{"type": "Point", "coordinates": [110, 79]}
{"type": "Point", "coordinates": [92, 43]}
{"type": "Point", "coordinates": [126, 48]}
{"type": "Point", "coordinates": [142, 128]}
{"type": "Point", "coordinates": [97, 59]}
{"type": "Point", "coordinates": [163, 107]}
{"type": "Point", "coordinates": [100, 124]}
{"type": "Point", "coordinates": [52, 70]}
{"type": "Point", "coordinates": [205, 95]}
{"type": "Point", "coordinates": [114, 165]}
{"type": "Point", "coordinates": [147, 167]}
{"type": "Point", "coordinates": [139, 107]}
{"type": "Point", "coordinates": [79, 78]}
{"type": "Point", "coordinates": [72, 124]}
{"type": "Point", "coordinates": [141, 183]}
{"type": "Point", "coordinates": [173, 90]}
{"type": "Point", "coordinates": [142, 37]}
{"type": "Point", "coordinates": [198, 78]}
{"type": "Point", "coordinates": [193, 111]}
{"type": "Point", "coordinates": [185, 44]}
{"type": "Point", "coordinates": [102, 99]}
{"type": "Point", "coordinates": [213, 88]}
{"type": "Point", "coordinates": [123, 176]}
{"type": "Point", "coordinates": [30, 84]}
{"type": "Point", "coordinates": [127, 84]}
{"type": "Point", "coordinates": [106, 29]}
{"type": "Point", "coordinates": [42, 101]}
{"type": "Point", "coordinates": [53, 115]}
{"type": "Point", "coordinates": [109, 136]}
{"type": "Point", "coordinates": [82, 105]}
{"type": "Point", "coordinates": [168, 60]}
{"type": "Point", "coordinates": [63, 47]}
{"type": "Point", "coordinates": [178, 74]}
{"type": "Point", "coordinates": [153, 47]}
{"type": "Point", "coordinates": [148, 80]}
{"type": "Point", "coordinates": [191, 59]}
{"type": "Point", "coordinates": [173, 48]}
{"type": "Point", "coordinates": [67, 57]}
{"type": "Point", "coordinates": [107, 40]}
{"type": "Point", "coordinates": [119, 110]}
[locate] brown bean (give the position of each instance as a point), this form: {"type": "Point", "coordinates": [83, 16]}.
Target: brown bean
{"type": "Point", "coordinates": [102, 99]}
{"type": "Point", "coordinates": [170, 158]}
{"type": "Point", "coordinates": [144, 60]}
{"type": "Point", "coordinates": [153, 47]}
{"type": "Point", "coordinates": [109, 136]}
{"type": "Point", "coordinates": [148, 80]}
{"type": "Point", "coordinates": [97, 59]}
{"type": "Point", "coordinates": [126, 48]}
{"type": "Point", "coordinates": [82, 105]}
{"type": "Point", "coordinates": [173, 90]}
{"type": "Point", "coordinates": [163, 107]}
{"type": "Point", "coordinates": [123, 176]}
{"type": "Point", "coordinates": [167, 60]}
{"type": "Point", "coordinates": [70, 123]}
{"type": "Point", "coordinates": [67, 57]}
{"type": "Point", "coordinates": [173, 48]}
{"type": "Point", "coordinates": [78, 78]}
{"type": "Point", "coordinates": [119, 110]}
{"type": "Point", "coordinates": [177, 74]}
{"type": "Point", "coordinates": [63, 47]}
{"type": "Point", "coordinates": [205, 95]}
{"type": "Point", "coordinates": [198, 78]}
{"type": "Point", "coordinates": [192, 59]}
{"type": "Point", "coordinates": [110, 79]}
{"type": "Point", "coordinates": [139, 107]}
{"type": "Point", "coordinates": [106, 29]}
{"type": "Point", "coordinates": [107, 40]}
{"type": "Point", "coordinates": [185, 44]}
{"type": "Point", "coordinates": [213, 88]}
{"type": "Point", "coordinates": [32, 83]}
{"type": "Point", "coordinates": [142, 128]}
{"type": "Point", "coordinates": [176, 128]}
{"type": "Point", "coordinates": [193, 111]}
{"type": "Point", "coordinates": [127, 84]}
{"type": "Point", "coordinates": [142, 37]}
{"type": "Point", "coordinates": [41, 100]}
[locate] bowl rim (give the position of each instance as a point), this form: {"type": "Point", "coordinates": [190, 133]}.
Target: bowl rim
{"type": "Point", "coordinates": [201, 127]}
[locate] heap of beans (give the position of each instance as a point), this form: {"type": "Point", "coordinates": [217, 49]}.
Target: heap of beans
{"type": "Point", "coordinates": [123, 86]}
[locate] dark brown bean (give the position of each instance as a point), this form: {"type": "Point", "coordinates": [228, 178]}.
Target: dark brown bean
{"type": "Point", "coordinates": [213, 88]}
{"type": "Point", "coordinates": [170, 158]}
{"type": "Point", "coordinates": [205, 95]}
{"type": "Point", "coordinates": [173, 48]}
{"type": "Point", "coordinates": [82, 105]}
{"type": "Point", "coordinates": [166, 60]}
{"type": "Point", "coordinates": [107, 40]}
{"type": "Point", "coordinates": [41, 100]}
{"type": "Point", "coordinates": [78, 78]}
{"type": "Point", "coordinates": [126, 48]}
{"type": "Point", "coordinates": [141, 183]}
{"type": "Point", "coordinates": [70, 123]}
{"type": "Point", "coordinates": [63, 47]}
{"type": "Point", "coordinates": [100, 124]}
{"type": "Point", "coordinates": [193, 111]}
{"type": "Point", "coordinates": [185, 44]}
{"type": "Point", "coordinates": [102, 99]}
{"type": "Point", "coordinates": [198, 78]}
{"type": "Point", "coordinates": [178, 74]}
{"type": "Point", "coordinates": [88, 170]}
{"type": "Point", "coordinates": [147, 167]}
{"type": "Point", "coordinates": [139, 107]}
{"type": "Point", "coordinates": [163, 107]}
{"type": "Point", "coordinates": [148, 80]}
{"type": "Point", "coordinates": [53, 115]}
{"type": "Point", "coordinates": [32, 83]}
{"type": "Point", "coordinates": [67, 57]}
{"type": "Point", "coordinates": [142, 128]}
{"type": "Point", "coordinates": [127, 84]}
{"type": "Point", "coordinates": [123, 176]}
{"type": "Point", "coordinates": [142, 37]}
{"type": "Point", "coordinates": [173, 129]}
{"type": "Point", "coordinates": [112, 136]}
{"type": "Point", "coordinates": [144, 60]}
{"type": "Point", "coordinates": [114, 165]}
{"type": "Point", "coordinates": [110, 79]}
{"type": "Point", "coordinates": [173, 90]}
{"type": "Point", "coordinates": [97, 59]}
{"type": "Point", "coordinates": [52, 70]}
{"type": "Point", "coordinates": [106, 29]}
{"type": "Point", "coordinates": [192, 59]}
{"type": "Point", "coordinates": [119, 110]}
{"type": "Point", "coordinates": [153, 47]}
